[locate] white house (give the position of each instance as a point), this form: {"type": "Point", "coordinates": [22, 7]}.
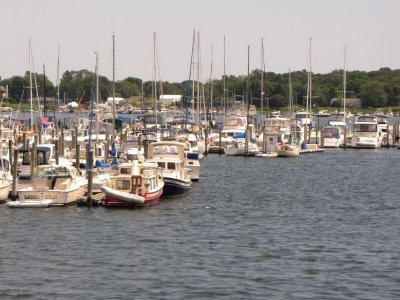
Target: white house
{"type": "Point", "coordinates": [170, 99]}
{"type": "Point", "coordinates": [118, 101]}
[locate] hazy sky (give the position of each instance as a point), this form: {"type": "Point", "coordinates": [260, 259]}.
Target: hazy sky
{"type": "Point", "coordinates": [368, 28]}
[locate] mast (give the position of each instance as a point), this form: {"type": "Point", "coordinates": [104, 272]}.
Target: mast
{"type": "Point", "coordinates": [113, 89]}
{"type": "Point", "coordinates": [198, 77]}
{"type": "Point", "coordinates": [310, 83]}
{"type": "Point", "coordinates": [44, 92]}
{"type": "Point", "coordinates": [248, 101]}
{"type": "Point", "coordinates": [190, 76]}
{"type": "Point", "coordinates": [30, 81]}
{"type": "Point", "coordinates": [97, 98]}
{"type": "Point", "coordinates": [224, 98]}
{"type": "Point", "coordinates": [211, 83]}
{"type": "Point", "coordinates": [262, 81]}
{"type": "Point", "coordinates": [291, 109]}
{"type": "Point", "coordinates": [155, 77]}
{"type": "Point", "coordinates": [344, 85]}
{"type": "Point", "coordinates": [58, 78]}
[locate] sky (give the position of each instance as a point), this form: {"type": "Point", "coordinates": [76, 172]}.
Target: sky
{"type": "Point", "coordinates": [367, 28]}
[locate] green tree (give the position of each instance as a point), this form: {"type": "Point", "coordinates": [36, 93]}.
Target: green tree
{"type": "Point", "coordinates": [373, 95]}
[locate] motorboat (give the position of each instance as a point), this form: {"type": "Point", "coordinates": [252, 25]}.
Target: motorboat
{"type": "Point", "coordinates": [170, 158]}
{"type": "Point", "coordinates": [366, 133]}
{"type": "Point", "coordinates": [55, 185]}
{"type": "Point", "coordinates": [137, 184]}
{"type": "Point", "coordinates": [333, 136]}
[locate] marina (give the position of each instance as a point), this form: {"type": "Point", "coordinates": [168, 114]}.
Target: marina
{"type": "Point", "coordinates": [152, 150]}
{"type": "Point", "coordinates": [338, 236]}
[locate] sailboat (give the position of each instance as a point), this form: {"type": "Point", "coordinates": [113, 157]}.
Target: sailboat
{"type": "Point", "coordinates": [291, 148]}
{"type": "Point", "coordinates": [334, 131]}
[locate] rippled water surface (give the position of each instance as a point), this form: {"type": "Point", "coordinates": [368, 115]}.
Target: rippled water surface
{"type": "Point", "coordinates": [320, 226]}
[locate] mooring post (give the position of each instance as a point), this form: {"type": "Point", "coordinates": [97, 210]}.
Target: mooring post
{"type": "Point", "coordinates": [90, 178]}
{"type": "Point", "coordinates": [77, 157]}
{"type": "Point", "coordinates": [220, 141]}
{"type": "Point", "coordinates": [15, 177]}
{"type": "Point", "coordinates": [56, 150]}
{"type": "Point", "coordinates": [10, 152]}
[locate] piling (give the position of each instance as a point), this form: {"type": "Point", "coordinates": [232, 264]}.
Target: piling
{"type": "Point", "coordinates": [264, 150]}
{"type": "Point", "coordinates": [73, 141]}
{"type": "Point", "coordinates": [40, 136]}
{"type": "Point", "coordinates": [220, 141]}
{"type": "Point", "coordinates": [14, 174]}
{"type": "Point", "coordinates": [77, 157]}
{"type": "Point", "coordinates": [90, 178]}
{"type": "Point", "coordinates": [10, 152]}
{"type": "Point", "coordinates": [322, 139]}
{"type": "Point", "coordinates": [345, 137]}
{"type": "Point", "coordinates": [305, 133]}
{"type": "Point", "coordinates": [61, 142]}
{"type": "Point", "coordinates": [246, 142]}
{"type": "Point", "coordinates": [24, 140]}
{"type": "Point", "coordinates": [206, 141]}
{"type": "Point", "coordinates": [56, 150]}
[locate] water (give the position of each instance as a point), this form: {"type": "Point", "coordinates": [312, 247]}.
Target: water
{"type": "Point", "coordinates": [320, 226]}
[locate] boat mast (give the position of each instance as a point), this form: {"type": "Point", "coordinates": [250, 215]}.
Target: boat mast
{"type": "Point", "coordinates": [344, 85]}
{"type": "Point", "coordinates": [58, 79]}
{"type": "Point", "coordinates": [262, 81]}
{"type": "Point", "coordinates": [30, 81]}
{"type": "Point", "coordinates": [155, 77]}
{"type": "Point", "coordinates": [211, 83]}
{"type": "Point", "coordinates": [190, 76]}
{"type": "Point", "coordinates": [97, 99]}
{"type": "Point", "coordinates": [113, 90]}
{"type": "Point", "coordinates": [246, 147]}
{"type": "Point", "coordinates": [198, 77]}
{"type": "Point", "coordinates": [224, 98]}
{"type": "Point", "coordinates": [44, 92]}
{"type": "Point", "coordinates": [310, 85]}
{"type": "Point", "coordinates": [291, 110]}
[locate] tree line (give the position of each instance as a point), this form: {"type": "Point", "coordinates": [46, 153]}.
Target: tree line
{"type": "Point", "coordinates": [379, 88]}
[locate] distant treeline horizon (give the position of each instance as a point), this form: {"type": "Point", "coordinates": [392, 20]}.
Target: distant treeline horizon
{"type": "Point", "coordinates": [380, 88]}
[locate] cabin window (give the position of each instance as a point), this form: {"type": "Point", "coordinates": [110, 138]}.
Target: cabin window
{"type": "Point", "coordinates": [365, 128]}
{"type": "Point", "coordinates": [136, 181]}
{"type": "Point", "coordinates": [123, 184]}
{"type": "Point", "coordinates": [161, 165]}
{"type": "Point", "coordinates": [171, 166]}
{"type": "Point", "coordinates": [124, 171]}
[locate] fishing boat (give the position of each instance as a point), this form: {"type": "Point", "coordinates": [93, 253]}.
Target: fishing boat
{"type": "Point", "coordinates": [136, 184]}
{"type": "Point", "coordinates": [170, 158]}
{"type": "Point", "coordinates": [54, 185]}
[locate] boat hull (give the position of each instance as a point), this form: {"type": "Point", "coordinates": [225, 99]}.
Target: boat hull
{"type": "Point", "coordinates": [57, 197]}
{"type": "Point", "coordinates": [119, 198]}
{"type": "Point", "coordinates": [174, 186]}
{"type": "Point", "coordinates": [288, 151]}
{"type": "Point", "coordinates": [4, 190]}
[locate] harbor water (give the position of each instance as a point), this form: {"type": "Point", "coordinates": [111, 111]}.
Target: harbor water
{"type": "Point", "coordinates": [319, 226]}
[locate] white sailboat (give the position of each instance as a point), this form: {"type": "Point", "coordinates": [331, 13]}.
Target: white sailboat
{"type": "Point", "coordinates": [291, 148]}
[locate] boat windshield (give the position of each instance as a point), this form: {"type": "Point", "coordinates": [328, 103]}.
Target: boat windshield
{"type": "Point", "coordinates": [166, 149]}
{"type": "Point", "coordinates": [365, 128]}
{"type": "Point", "coordinates": [331, 133]}
{"type": "Point", "coordinates": [53, 172]}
